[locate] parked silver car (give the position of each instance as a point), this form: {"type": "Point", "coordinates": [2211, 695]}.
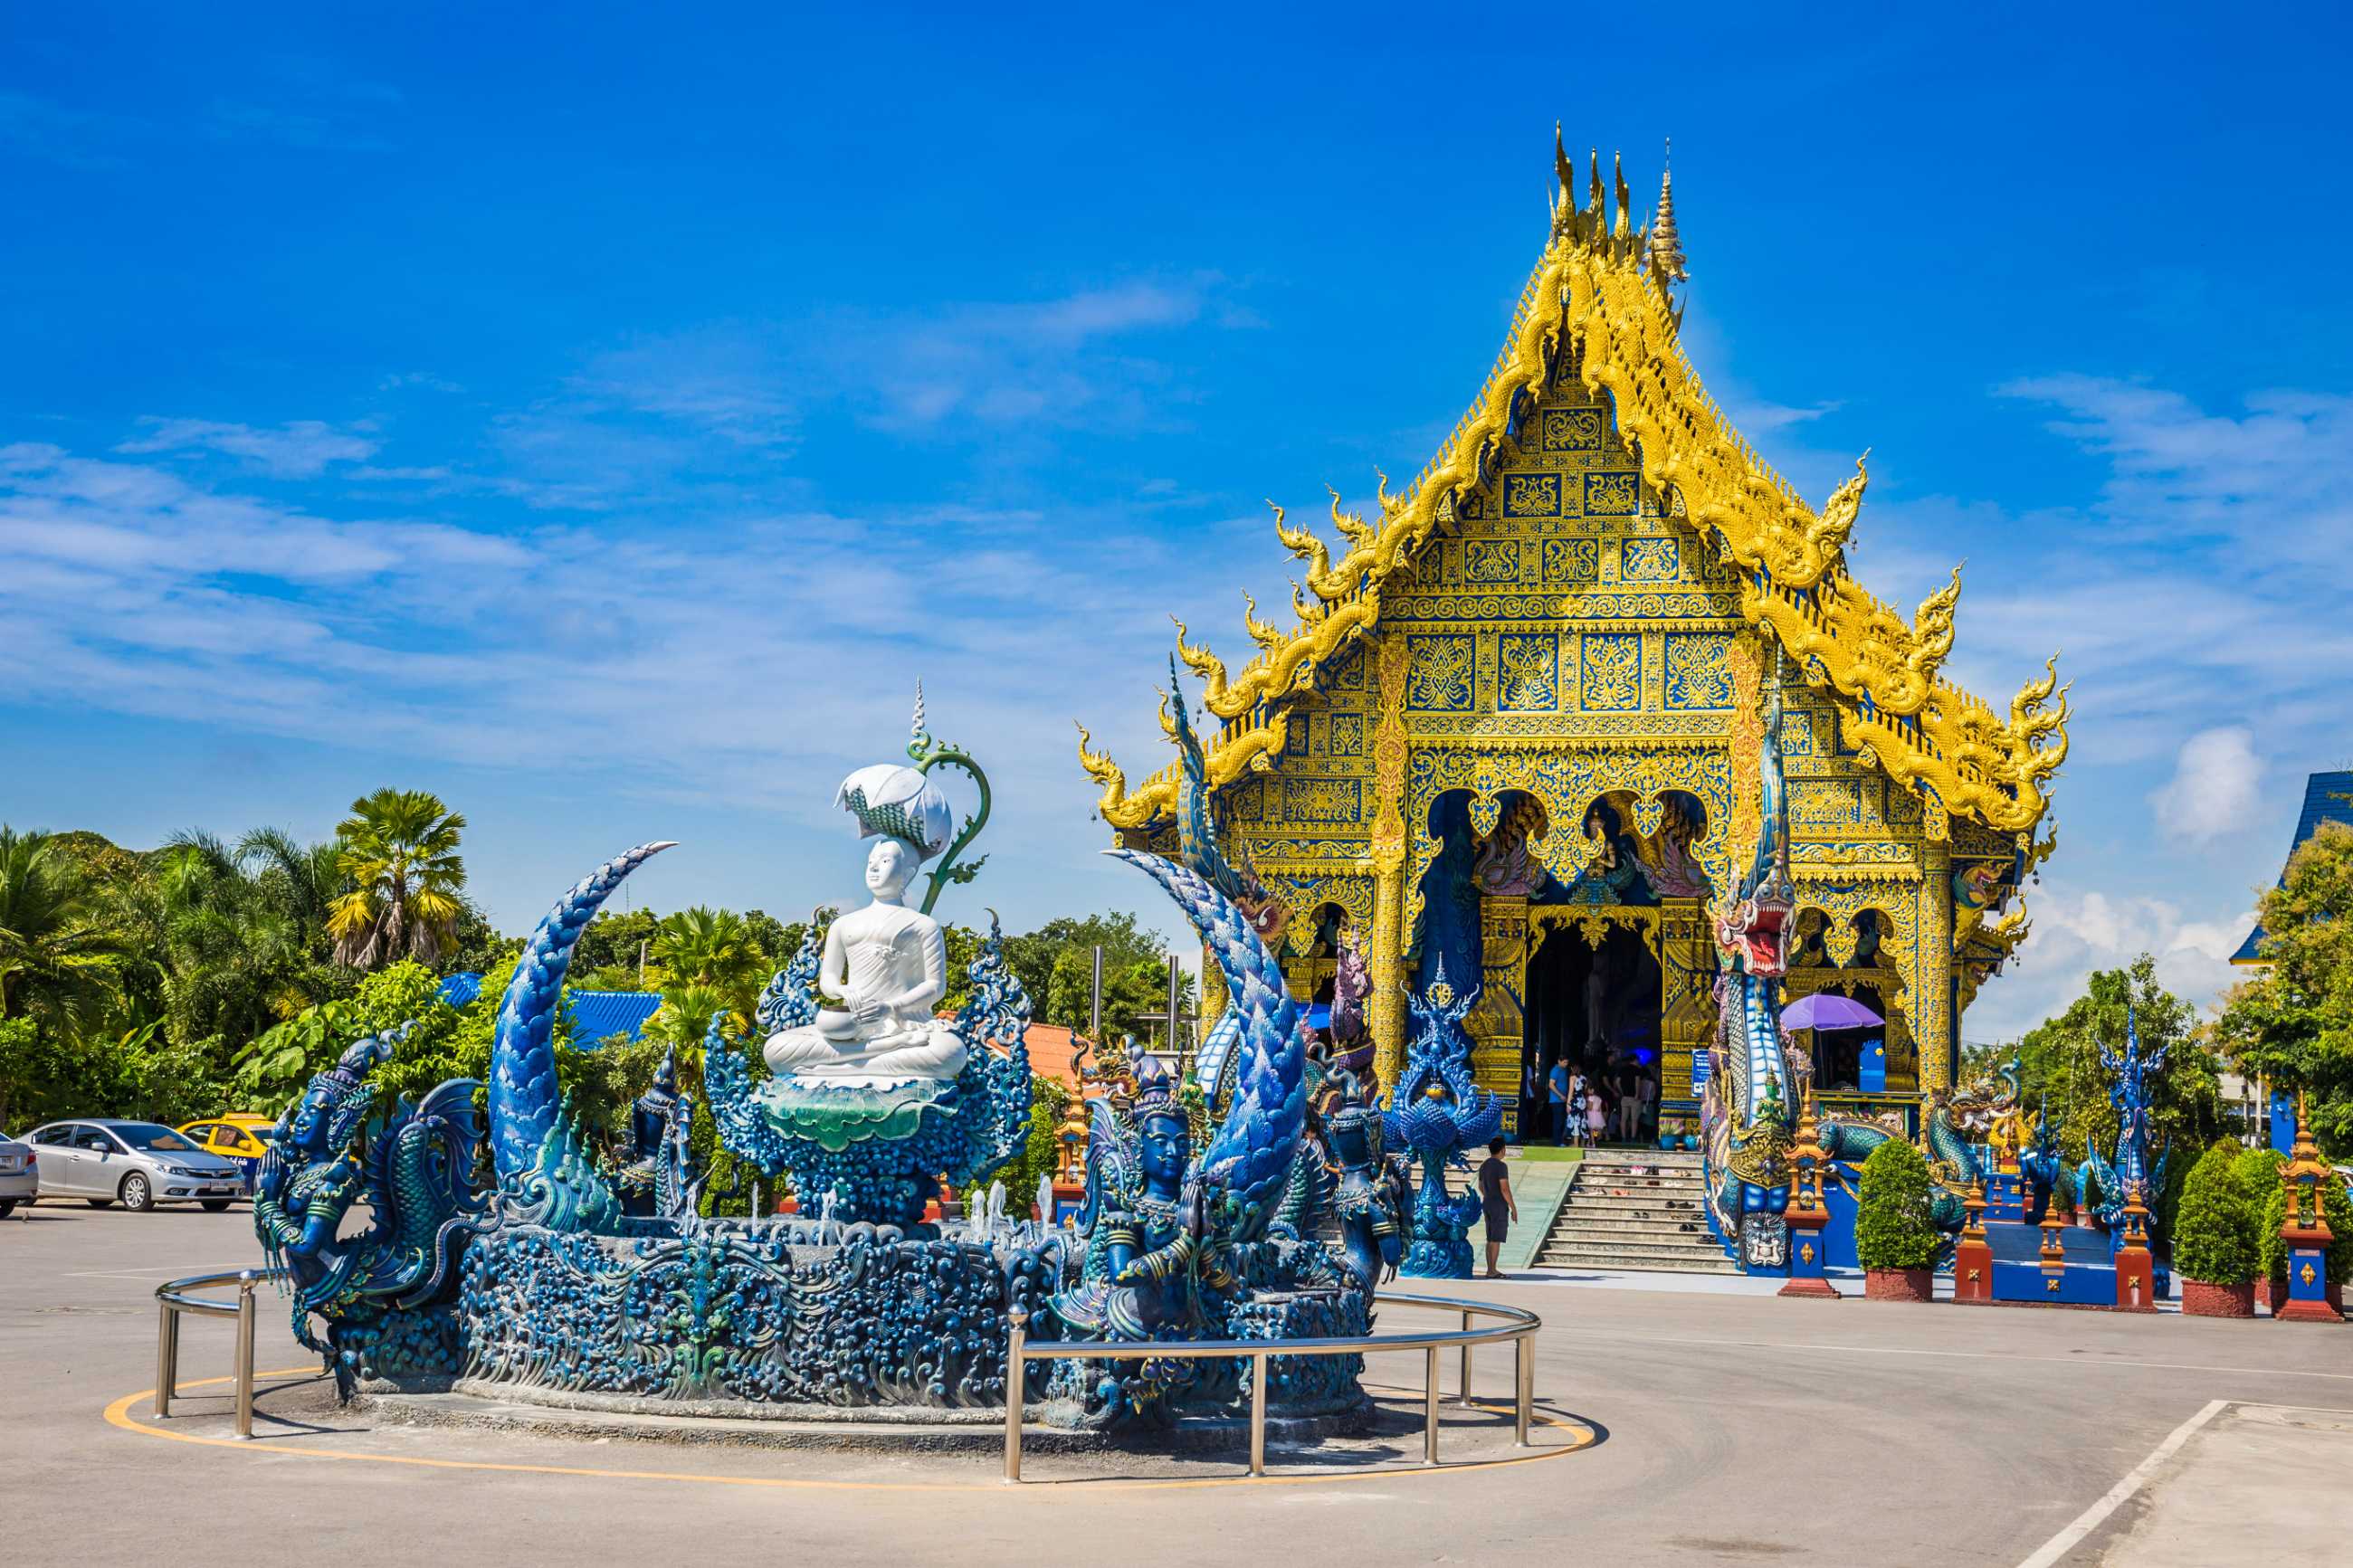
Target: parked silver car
{"type": "Point", "coordinates": [136, 1164]}
{"type": "Point", "coordinates": [20, 1177]}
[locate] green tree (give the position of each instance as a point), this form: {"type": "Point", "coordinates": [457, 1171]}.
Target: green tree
{"type": "Point", "coordinates": [59, 957]}
{"type": "Point", "coordinates": [1042, 1151]}
{"type": "Point", "coordinates": [713, 950]}
{"type": "Point", "coordinates": [2293, 1024]}
{"type": "Point", "coordinates": [2058, 1064]}
{"type": "Point", "coordinates": [400, 851]}
{"type": "Point", "coordinates": [2214, 1235]}
{"type": "Point", "coordinates": [2258, 1172]}
{"type": "Point", "coordinates": [1894, 1227]}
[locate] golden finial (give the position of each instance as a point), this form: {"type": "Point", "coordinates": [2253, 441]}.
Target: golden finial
{"type": "Point", "coordinates": [1666, 243]}
{"type": "Point", "coordinates": [1593, 184]}
{"type": "Point", "coordinates": [1624, 225]}
{"type": "Point", "coordinates": [2304, 1173]}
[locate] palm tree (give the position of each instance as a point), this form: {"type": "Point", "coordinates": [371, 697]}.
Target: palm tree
{"type": "Point", "coordinates": [58, 956]}
{"type": "Point", "coordinates": [400, 852]}
{"type": "Point", "coordinates": [713, 947]}
{"type": "Point", "coordinates": [236, 949]}
{"type": "Point", "coordinates": [302, 879]}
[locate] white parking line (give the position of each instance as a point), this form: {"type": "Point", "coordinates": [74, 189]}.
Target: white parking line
{"type": "Point", "coordinates": [2090, 1519]}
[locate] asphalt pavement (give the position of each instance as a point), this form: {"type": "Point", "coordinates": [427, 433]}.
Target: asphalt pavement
{"type": "Point", "coordinates": [1714, 1428]}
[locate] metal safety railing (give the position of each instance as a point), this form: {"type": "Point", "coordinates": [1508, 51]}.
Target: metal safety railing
{"type": "Point", "coordinates": [1519, 1327]}
{"type": "Point", "coordinates": [172, 1298]}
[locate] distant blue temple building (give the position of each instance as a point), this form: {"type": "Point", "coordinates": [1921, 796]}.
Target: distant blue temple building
{"type": "Point", "coordinates": [2327, 797]}
{"type": "Point", "coordinates": [594, 1016]}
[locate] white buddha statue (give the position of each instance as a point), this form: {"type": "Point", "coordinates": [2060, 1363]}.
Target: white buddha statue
{"type": "Point", "coordinates": [886, 964]}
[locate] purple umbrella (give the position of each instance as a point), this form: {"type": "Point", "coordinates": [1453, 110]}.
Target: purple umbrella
{"type": "Point", "coordinates": [1828, 1010]}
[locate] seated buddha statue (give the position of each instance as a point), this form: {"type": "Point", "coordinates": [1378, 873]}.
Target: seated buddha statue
{"type": "Point", "coordinates": [884, 967]}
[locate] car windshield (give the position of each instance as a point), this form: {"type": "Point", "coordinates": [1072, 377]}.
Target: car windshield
{"type": "Point", "coordinates": [154, 1139]}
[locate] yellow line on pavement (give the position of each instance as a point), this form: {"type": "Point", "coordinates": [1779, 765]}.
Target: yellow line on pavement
{"type": "Point", "coordinates": [119, 1414]}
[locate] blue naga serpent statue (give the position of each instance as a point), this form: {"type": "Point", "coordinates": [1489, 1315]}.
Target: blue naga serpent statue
{"type": "Point", "coordinates": [1437, 1112]}
{"type": "Point", "coordinates": [386, 1295]}
{"type": "Point", "coordinates": [1750, 1106]}
{"type": "Point", "coordinates": [2131, 1166]}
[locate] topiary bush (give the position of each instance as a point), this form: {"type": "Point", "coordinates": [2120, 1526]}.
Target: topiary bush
{"type": "Point", "coordinates": [1893, 1226]}
{"type": "Point", "coordinates": [2214, 1237]}
{"type": "Point", "coordinates": [2259, 1170]}
{"type": "Point", "coordinates": [2337, 1208]}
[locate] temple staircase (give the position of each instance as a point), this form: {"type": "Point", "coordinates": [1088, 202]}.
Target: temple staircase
{"type": "Point", "coordinates": [1635, 1209]}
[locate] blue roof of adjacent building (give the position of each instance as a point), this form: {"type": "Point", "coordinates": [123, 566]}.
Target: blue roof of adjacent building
{"type": "Point", "coordinates": [595, 1016]}
{"type": "Point", "coordinates": [460, 989]}
{"type": "Point", "coordinates": [2327, 797]}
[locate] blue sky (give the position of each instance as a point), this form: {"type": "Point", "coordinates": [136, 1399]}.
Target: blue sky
{"type": "Point", "coordinates": [604, 423]}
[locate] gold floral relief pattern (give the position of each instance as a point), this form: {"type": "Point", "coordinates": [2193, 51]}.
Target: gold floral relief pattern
{"type": "Point", "coordinates": [1609, 670]}
{"type": "Point", "coordinates": [1699, 671]}
{"type": "Point", "coordinates": [1531, 495]}
{"type": "Point", "coordinates": [1529, 672]}
{"type": "Point", "coordinates": [1440, 675]}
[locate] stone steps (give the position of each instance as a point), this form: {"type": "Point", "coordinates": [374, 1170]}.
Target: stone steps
{"type": "Point", "coordinates": [1626, 1210]}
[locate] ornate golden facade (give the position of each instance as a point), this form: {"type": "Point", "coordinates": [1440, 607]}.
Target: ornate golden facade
{"type": "Point", "coordinates": [1576, 600]}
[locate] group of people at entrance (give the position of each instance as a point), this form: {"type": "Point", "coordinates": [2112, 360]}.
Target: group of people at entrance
{"type": "Point", "coordinates": [1584, 1109]}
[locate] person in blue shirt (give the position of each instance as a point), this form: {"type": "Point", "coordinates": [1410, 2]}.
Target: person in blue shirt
{"type": "Point", "coordinates": [1557, 1083]}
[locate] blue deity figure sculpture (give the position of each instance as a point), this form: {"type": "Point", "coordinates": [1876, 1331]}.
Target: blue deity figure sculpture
{"type": "Point", "coordinates": [1136, 1279]}
{"type": "Point", "coordinates": [1437, 1112]}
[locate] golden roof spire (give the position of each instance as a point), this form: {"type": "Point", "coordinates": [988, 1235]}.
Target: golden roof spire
{"type": "Point", "coordinates": [1666, 243]}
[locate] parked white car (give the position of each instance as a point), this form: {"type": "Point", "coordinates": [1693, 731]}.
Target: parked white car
{"type": "Point", "coordinates": [136, 1164]}
{"type": "Point", "coordinates": [20, 1175]}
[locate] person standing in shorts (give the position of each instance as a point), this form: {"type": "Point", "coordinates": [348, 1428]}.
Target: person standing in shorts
{"type": "Point", "coordinates": [1495, 1203]}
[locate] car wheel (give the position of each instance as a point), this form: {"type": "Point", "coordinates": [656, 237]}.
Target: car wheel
{"type": "Point", "coordinates": [137, 1195]}
{"type": "Point", "coordinates": [215, 1206]}
{"type": "Point", "coordinates": [7, 1208]}
{"type": "Point", "coordinates": [99, 1202]}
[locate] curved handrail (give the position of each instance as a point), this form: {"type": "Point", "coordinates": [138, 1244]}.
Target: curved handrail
{"type": "Point", "coordinates": [1519, 1322]}
{"type": "Point", "coordinates": [1519, 1326]}
{"type": "Point", "coordinates": [173, 1298]}
{"type": "Point", "coordinates": [174, 1292]}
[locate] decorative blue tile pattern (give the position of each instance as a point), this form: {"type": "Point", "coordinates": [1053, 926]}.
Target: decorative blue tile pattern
{"type": "Point", "coordinates": [1572, 430]}
{"type": "Point", "coordinates": [1610, 495]}
{"type": "Point", "coordinates": [1610, 671]}
{"type": "Point", "coordinates": [1699, 671]}
{"type": "Point", "coordinates": [1650, 561]}
{"type": "Point", "coordinates": [1531, 495]}
{"type": "Point", "coordinates": [1572, 563]}
{"type": "Point", "coordinates": [1491, 560]}
{"type": "Point", "coordinates": [1438, 672]}
{"type": "Point", "coordinates": [1528, 672]}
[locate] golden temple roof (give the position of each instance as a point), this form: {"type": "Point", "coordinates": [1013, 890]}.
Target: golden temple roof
{"type": "Point", "coordinates": [1603, 288]}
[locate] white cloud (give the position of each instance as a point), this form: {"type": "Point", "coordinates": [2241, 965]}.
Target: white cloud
{"type": "Point", "coordinates": [2078, 929]}
{"type": "Point", "coordinates": [299, 449]}
{"type": "Point", "coordinates": [2214, 787]}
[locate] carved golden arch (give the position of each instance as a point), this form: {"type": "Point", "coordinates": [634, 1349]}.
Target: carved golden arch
{"type": "Point", "coordinates": [1592, 922]}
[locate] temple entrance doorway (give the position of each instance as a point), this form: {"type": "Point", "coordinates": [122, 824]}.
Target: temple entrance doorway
{"type": "Point", "coordinates": [1597, 1009]}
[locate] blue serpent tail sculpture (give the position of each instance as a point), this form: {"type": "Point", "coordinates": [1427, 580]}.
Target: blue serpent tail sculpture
{"type": "Point", "coordinates": [1218, 1062]}
{"type": "Point", "coordinates": [526, 1107]}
